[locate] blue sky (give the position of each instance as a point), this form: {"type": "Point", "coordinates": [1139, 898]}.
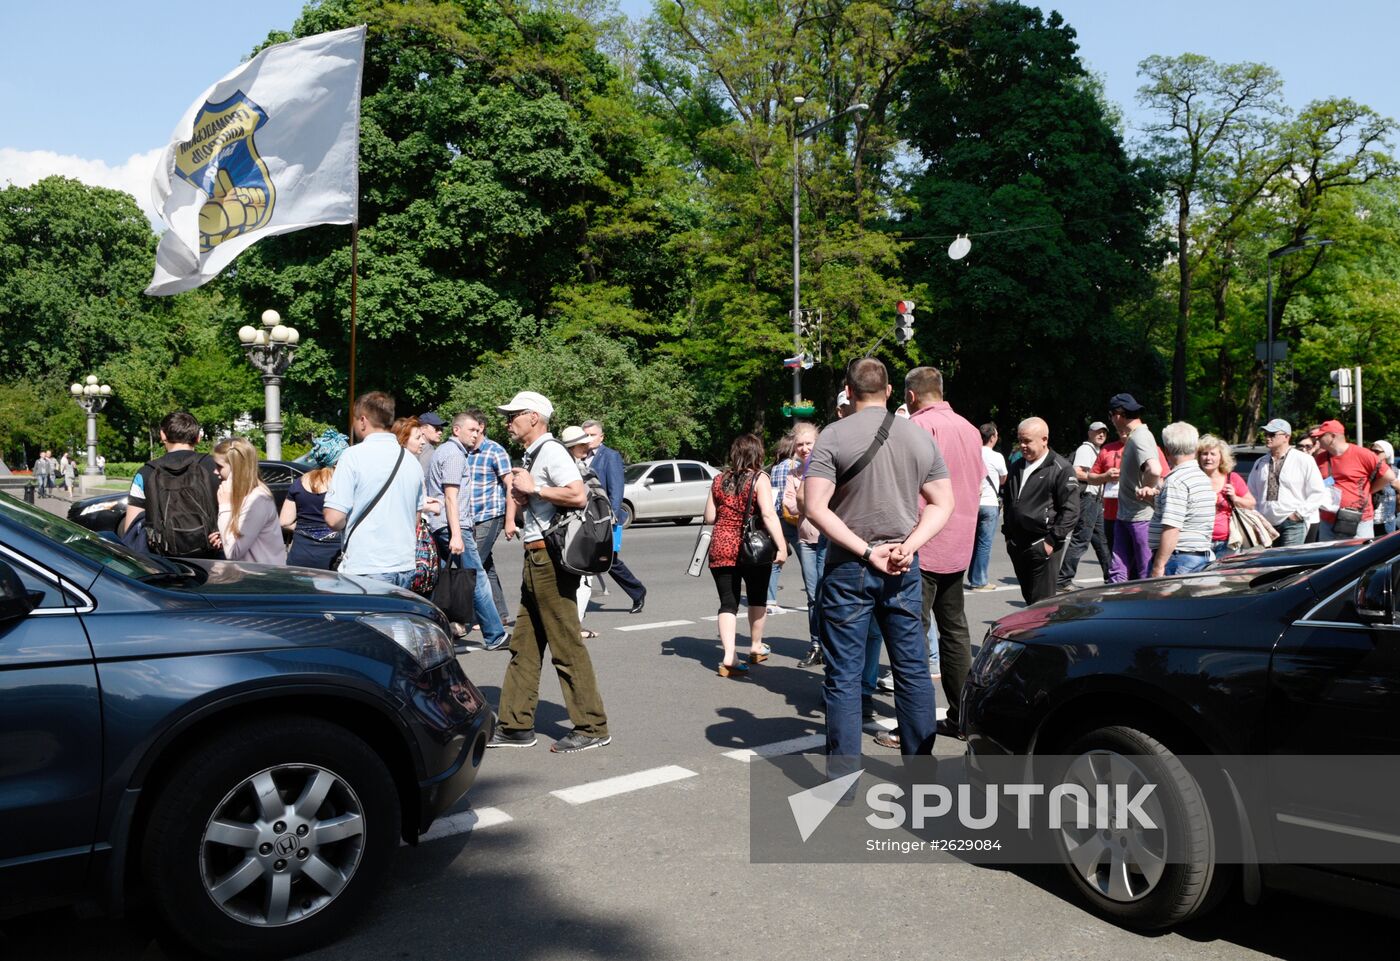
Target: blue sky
{"type": "Point", "coordinates": [93, 88]}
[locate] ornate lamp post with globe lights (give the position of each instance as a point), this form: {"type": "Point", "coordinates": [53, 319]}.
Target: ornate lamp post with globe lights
{"type": "Point", "coordinates": [271, 351]}
{"type": "Point", "coordinates": [91, 397]}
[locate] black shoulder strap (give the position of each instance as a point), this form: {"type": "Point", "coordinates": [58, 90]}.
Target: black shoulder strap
{"type": "Point", "coordinates": [881, 435]}
{"type": "Point", "coordinates": [374, 503]}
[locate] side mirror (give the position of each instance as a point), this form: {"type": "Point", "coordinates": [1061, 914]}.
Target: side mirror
{"type": "Point", "coordinates": [1375, 596]}
{"type": "Point", "coordinates": [15, 600]}
{"type": "Point", "coordinates": [647, 482]}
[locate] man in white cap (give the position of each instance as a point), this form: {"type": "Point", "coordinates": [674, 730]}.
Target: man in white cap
{"type": "Point", "coordinates": [550, 481]}
{"type": "Point", "coordinates": [1090, 529]}
{"type": "Point", "coordinates": [1287, 485]}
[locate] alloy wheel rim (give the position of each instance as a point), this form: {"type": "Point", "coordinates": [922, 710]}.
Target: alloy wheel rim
{"type": "Point", "coordinates": [1115, 856]}
{"type": "Point", "coordinates": [282, 845]}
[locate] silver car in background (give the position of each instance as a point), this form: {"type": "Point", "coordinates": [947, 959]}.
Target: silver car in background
{"type": "Point", "coordinates": [673, 490]}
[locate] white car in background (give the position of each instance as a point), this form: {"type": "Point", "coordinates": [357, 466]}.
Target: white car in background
{"type": "Point", "coordinates": [673, 490]}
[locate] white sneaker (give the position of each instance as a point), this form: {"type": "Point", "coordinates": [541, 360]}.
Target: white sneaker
{"type": "Point", "coordinates": [776, 609]}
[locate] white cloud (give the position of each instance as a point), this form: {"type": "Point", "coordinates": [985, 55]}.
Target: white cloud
{"type": "Point", "coordinates": [23, 168]}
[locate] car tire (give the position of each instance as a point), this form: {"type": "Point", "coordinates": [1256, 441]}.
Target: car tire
{"type": "Point", "coordinates": [1140, 878]}
{"type": "Point", "coordinates": [681, 521]}
{"type": "Point", "coordinates": [626, 518]}
{"type": "Point", "coordinates": [305, 792]}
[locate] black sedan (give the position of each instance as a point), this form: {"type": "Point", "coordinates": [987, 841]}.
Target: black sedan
{"type": "Point", "coordinates": [1254, 663]}
{"type": "Point", "coordinates": [105, 512]}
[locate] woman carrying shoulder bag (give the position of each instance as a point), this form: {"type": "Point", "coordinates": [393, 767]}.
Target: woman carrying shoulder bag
{"type": "Point", "coordinates": [314, 544]}
{"type": "Point", "coordinates": [741, 492]}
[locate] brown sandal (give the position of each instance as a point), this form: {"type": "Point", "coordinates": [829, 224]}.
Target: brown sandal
{"type": "Point", "coordinates": [735, 670]}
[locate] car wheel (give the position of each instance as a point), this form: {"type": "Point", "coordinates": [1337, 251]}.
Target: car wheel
{"type": "Point", "coordinates": [626, 518]}
{"type": "Point", "coordinates": [1134, 875]}
{"type": "Point", "coordinates": [269, 839]}
{"type": "Point", "coordinates": [681, 521]}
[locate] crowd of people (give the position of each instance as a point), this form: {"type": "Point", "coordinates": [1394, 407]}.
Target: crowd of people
{"type": "Point", "coordinates": [892, 517]}
{"type": "Point", "coordinates": [50, 473]}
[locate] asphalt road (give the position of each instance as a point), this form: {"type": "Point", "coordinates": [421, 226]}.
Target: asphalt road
{"type": "Point", "coordinates": [661, 870]}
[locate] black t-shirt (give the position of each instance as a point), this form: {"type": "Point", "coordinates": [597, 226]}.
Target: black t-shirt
{"type": "Point", "coordinates": [136, 497]}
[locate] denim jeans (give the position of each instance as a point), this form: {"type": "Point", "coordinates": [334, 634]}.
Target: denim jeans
{"type": "Point", "coordinates": [812, 557]}
{"type": "Point", "coordinates": [485, 534]}
{"type": "Point", "coordinates": [852, 595]}
{"type": "Point", "coordinates": [402, 579]}
{"type": "Point", "coordinates": [1180, 563]}
{"type": "Point", "coordinates": [1291, 532]}
{"type": "Point", "coordinates": [987, 516]}
{"type": "Point", "coordinates": [789, 535]}
{"type": "Point", "coordinates": [492, 629]}
{"type": "Point", "coordinates": [1366, 529]}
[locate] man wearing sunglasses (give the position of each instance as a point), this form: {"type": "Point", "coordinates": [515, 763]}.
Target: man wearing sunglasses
{"type": "Point", "coordinates": [1287, 486]}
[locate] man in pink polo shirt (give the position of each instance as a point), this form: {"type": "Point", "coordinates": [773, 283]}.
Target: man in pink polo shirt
{"type": "Point", "coordinates": [944, 560]}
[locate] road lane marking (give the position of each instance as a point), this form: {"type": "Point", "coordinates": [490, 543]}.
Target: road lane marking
{"type": "Point", "coordinates": [610, 787]}
{"type": "Point", "coordinates": [796, 745]}
{"type": "Point", "coordinates": [465, 822]}
{"type": "Point", "coordinates": [647, 627]}
{"type": "Point", "coordinates": [890, 723]}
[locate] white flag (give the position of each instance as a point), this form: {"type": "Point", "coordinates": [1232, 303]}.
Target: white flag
{"type": "Point", "coordinates": [271, 148]}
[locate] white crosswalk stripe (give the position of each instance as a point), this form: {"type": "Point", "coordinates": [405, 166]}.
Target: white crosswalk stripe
{"type": "Point", "coordinates": [655, 624]}
{"type": "Point", "coordinates": [466, 822]}
{"type": "Point", "coordinates": [613, 786]}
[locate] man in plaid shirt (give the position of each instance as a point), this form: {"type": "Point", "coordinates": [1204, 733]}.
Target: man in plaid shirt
{"type": "Point", "coordinates": [488, 472]}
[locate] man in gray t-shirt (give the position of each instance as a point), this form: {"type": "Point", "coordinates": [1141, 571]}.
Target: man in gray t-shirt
{"type": "Point", "coordinates": [863, 491]}
{"type": "Point", "coordinates": [1138, 477]}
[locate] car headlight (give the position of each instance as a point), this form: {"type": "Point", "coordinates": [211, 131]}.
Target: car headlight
{"type": "Point", "coordinates": [425, 642]}
{"type": "Point", "coordinates": [99, 507]}
{"type": "Point", "coordinates": [994, 660]}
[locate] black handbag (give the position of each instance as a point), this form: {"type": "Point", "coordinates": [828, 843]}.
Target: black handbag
{"type": "Point", "coordinates": [756, 546]}
{"type": "Point", "coordinates": [455, 592]}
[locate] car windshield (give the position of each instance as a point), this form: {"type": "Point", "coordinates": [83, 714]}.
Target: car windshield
{"type": "Point", "coordinates": [82, 541]}
{"type": "Point", "coordinates": [634, 473]}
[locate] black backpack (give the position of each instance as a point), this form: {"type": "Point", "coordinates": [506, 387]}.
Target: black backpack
{"type": "Point", "coordinates": [581, 540]}
{"type": "Point", "coordinates": [182, 509]}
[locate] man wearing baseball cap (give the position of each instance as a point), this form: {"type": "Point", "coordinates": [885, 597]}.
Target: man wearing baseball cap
{"type": "Point", "coordinates": [550, 481]}
{"type": "Point", "coordinates": [1353, 472]}
{"type": "Point", "coordinates": [1286, 485]}
{"type": "Point", "coordinates": [431, 425]}
{"type": "Point", "coordinates": [1140, 473]}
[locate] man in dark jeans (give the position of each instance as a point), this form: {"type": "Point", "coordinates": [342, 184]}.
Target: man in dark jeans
{"type": "Point", "coordinates": [862, 491]}
{"type": "Point", "coordinates": [607, 464]}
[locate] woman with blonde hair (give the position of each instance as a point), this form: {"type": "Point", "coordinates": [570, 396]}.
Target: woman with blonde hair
{"type": "Point", "coordinates": [314, 544]}
{"type": "Point", "coordinates": [1231, 491]}
{"type": "Point", "coordinates": [248, 526]}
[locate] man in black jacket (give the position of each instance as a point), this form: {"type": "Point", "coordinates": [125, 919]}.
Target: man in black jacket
{"type": "Point", "coordinates": [1041, 510]}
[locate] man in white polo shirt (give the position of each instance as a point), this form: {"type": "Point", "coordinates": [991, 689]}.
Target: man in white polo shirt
{"type": "Point", "coordinates": [375, 495]}
{"type": "Point", "coordinates": [549, 482]}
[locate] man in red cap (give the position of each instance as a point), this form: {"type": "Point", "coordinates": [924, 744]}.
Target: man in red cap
{"type": "Point", "coordinates": [1353, 472]}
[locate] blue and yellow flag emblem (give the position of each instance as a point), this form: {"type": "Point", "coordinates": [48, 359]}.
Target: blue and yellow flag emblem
{"type": "Point", "coordinates": [221, 159]}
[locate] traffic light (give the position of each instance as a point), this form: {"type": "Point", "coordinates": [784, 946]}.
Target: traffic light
{"type": "Point", "coordinates": [904, 323]}
{"type": "Point", "coordinates": [1341, 391]}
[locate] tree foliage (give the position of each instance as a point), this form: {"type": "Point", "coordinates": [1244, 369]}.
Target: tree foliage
{"type": "Point", "coordinates": [1042, 317]}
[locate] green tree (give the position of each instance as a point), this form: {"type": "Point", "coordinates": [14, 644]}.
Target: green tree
{"type": "Point", "coordinates": [1017, 148]}
{"type": "Point", "coordinates": [648, 408]}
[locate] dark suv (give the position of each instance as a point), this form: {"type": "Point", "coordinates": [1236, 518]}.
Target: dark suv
{"type": "Point", "coordinates": [244, 745]}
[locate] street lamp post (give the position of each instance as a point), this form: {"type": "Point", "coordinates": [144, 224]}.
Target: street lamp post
{"type": "Point", "coordinates": [91, 397]}
{"type": "Point", "coordinates": [1307, 241]}
{"type": "Point", "coordinates": [797, 139]}
{"type": "Point", "coordinates": [271, 350]}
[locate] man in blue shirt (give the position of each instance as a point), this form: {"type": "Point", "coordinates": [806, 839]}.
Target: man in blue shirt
{"type": "Point", "coordinates": [380, 537]}
{"type": "Point", "coordinates": [452, 531]}
{"type": "Point", "coordinates": [488, 474]}
{"type": "Point", "coordinates": [607, 464]}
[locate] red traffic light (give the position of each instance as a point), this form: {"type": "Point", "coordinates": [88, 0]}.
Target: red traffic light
{"type": "Point", "coordinates": [904, 307]}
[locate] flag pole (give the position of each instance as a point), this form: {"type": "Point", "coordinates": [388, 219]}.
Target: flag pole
{"type": "Point", "coordinates": [354, 288]}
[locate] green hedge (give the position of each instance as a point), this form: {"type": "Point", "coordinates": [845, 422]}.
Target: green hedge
{"type": "Point", "coordinates": [123, 468]}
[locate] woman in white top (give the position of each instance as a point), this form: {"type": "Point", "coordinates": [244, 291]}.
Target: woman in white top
{"type": "Point", "coordinates": [988, 509]}
{"type": "Point", "coordinates": [248, 526]}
